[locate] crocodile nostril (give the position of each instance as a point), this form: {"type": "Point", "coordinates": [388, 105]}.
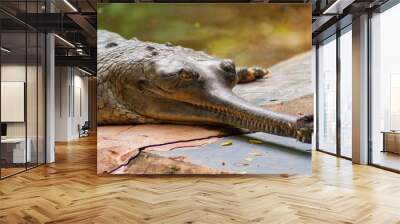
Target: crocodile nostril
{"type": "Point", "coordinates": [111, 44]}
{"type": "Point", "coordinates": [140, 84]}
{"type": "Point", "coordinates": [228, 66]}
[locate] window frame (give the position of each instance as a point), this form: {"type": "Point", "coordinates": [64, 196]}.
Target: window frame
{"type": "Point", "coordinates": [339, 32]}
{"type": "Point", "coordinates": [381, 9]}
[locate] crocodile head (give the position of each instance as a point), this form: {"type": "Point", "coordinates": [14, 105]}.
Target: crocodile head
{"type": "Point", "coordinates": [188, 90]}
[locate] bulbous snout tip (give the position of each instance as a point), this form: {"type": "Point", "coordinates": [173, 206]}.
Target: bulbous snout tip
{"type": "Point", "coordinates": [228, 65]}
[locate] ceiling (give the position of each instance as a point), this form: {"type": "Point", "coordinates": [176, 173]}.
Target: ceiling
{"type": "Point", "coordinates": [74, 22]}
{"type": "Point", "coordinates": [332, 15]}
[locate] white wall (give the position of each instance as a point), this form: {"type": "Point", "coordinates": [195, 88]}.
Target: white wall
{"type": "Point", "coordinates": [33, 126]}
{"type": "Point", "coordinates": [71, 94]}
{"type": "Point", "coordinates": [13, 100]}
{"type": "Point", "coordinates": [62, 81]}
{"type": "Point", "coordinates": [80, 110]}
{"type": "Point", "coordinates": [16, 73]}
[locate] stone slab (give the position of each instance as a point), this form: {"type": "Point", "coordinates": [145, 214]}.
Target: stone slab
{"type": "Point", "coordinates": [270, 157]}
{"type": "Point", "coordinates": [288, 80]}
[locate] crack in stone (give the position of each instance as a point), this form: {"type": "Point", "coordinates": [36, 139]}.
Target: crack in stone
{"type": "Point", "coordinates": [166, 143]}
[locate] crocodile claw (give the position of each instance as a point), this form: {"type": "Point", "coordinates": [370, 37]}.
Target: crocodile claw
{"type": "Point", "coordinates": [304, 126]}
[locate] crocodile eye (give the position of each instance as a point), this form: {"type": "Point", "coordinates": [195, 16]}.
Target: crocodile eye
{"type": "Point", "coordinates": [228, 66]}
{"type": "Point", "coordinates": [168, 75]}
{"type": "Point", "coordinates": [188, 75]}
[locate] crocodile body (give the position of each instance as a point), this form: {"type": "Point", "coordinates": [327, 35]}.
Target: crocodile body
{"type": "Point", "coordinates": [145, 82]}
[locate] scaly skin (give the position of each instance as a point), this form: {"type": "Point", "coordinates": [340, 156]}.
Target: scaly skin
{"type": "Point", "coordinates": [143, 82]}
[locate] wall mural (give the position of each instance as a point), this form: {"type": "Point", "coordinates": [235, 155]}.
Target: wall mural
{"type": "Point", "coordinates": [204, 89]}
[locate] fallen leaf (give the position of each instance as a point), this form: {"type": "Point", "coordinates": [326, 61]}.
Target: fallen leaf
{"type": "Point", "coordinates": [255, 154]}
{"type": "Point", "coordinates": [241, 164]}
{"type": "Point", "coordinates": [226, 143]}
{"type": "Point", "coordinates": [248, 159]}
{"type": "Point", "coordinates": [255, 141]}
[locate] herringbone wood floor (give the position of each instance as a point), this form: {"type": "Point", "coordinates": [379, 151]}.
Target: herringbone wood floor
{"type": "Point", "coordinates": [70, 192]}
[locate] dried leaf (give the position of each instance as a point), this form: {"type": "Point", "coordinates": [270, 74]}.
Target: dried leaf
{"type": "Point", "coordinates": [255, 154]}
{"type": "Point", "coordinates": [229, 142]}
{"type": "Point", "coordinates": [248, 159]}
{"type": "Point", "coordinates": [241, 164]}
{"type": "Point", "coordinates": [255, 141]}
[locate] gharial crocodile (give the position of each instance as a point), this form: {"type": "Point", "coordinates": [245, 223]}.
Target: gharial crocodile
{"type": "Point", "coordinates": [144, 82]}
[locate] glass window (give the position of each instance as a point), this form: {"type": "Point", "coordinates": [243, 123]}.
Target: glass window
{"type": "Point", "coordinates": [385, 84]}
{"type": "Point", "coordinates": [15, 150]}
{"type": "Point", "coordinates": [327, 96]}
{"type": "Point", "coordinates": [22, 88]}
{"type": "Point", "coordinates": [31, 97]}
{"type": "Point", "coordinates": [346, 93]}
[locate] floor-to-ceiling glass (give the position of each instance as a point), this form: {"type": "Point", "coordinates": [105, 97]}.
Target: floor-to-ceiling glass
{"type": "Point", "coordinates": [35, 87]}
{"type": "Point", "coordinates": [385, 89]}
{"type": "Point", "coordinates": [346, 92]}
{"type": "Point", "coordinates": [31, 97]}
{"type": "Point", "coordinates": [22, 89]}
{"type": "Point", "coordinates": [327, 95]}
{"type": "Point", "coordinates": [15, 149]}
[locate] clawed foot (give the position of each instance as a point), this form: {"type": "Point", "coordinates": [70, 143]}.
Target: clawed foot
{"type": "Point", "coordinates": [251, 74]}
{"type": "Point", "coordinates": [304, 127]}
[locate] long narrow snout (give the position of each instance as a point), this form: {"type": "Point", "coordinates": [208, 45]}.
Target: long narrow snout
{"type": "Point", "coordinates": [233, 110]}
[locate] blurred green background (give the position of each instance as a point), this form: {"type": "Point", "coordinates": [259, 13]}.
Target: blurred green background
{"type": "Point", "coordinates": [250, 34]}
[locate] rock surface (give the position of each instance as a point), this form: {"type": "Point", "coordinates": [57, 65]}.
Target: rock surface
{"type": "Point", "coordinates": [288, 80]}
{"type": "Point", "coordinates": [148, 163]}
{"type": "Point", "coordinates": [117, 144]}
